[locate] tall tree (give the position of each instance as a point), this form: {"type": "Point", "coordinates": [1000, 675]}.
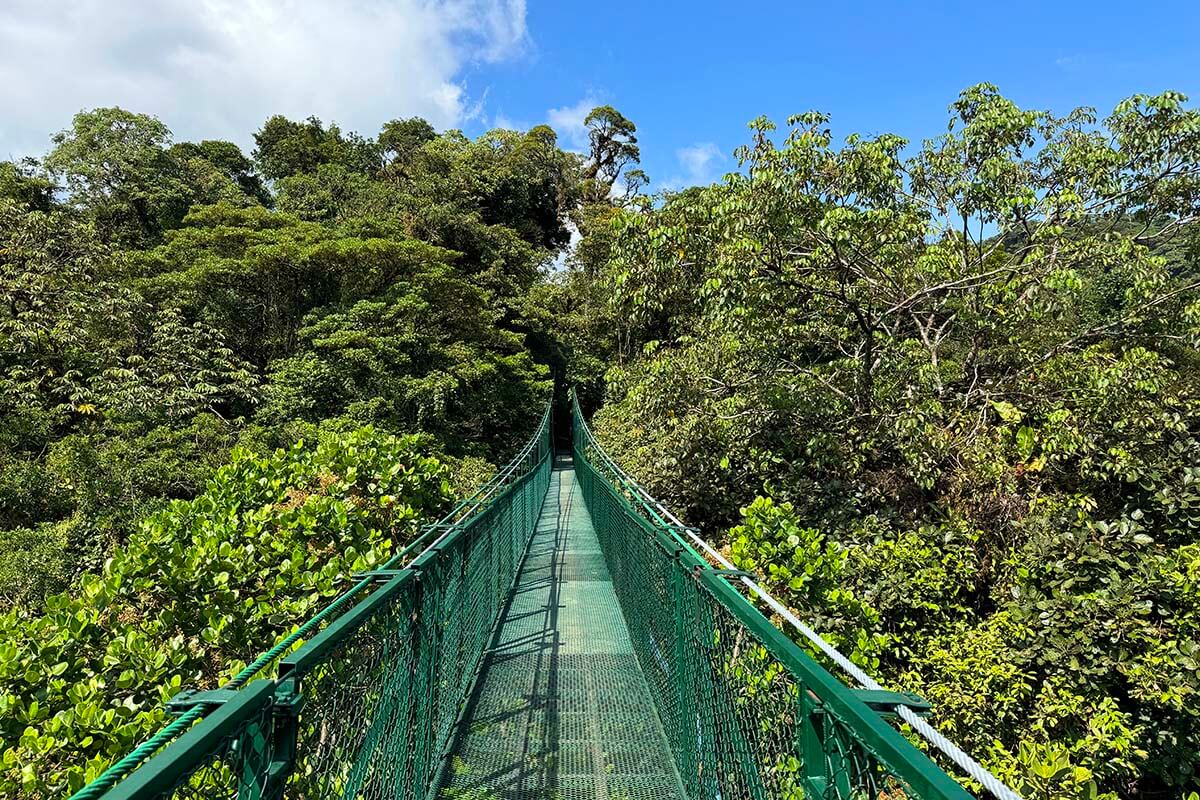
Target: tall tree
{"type": "Point", "coordinates": [284, 148]}
{"type": "Point", "coordinates": [400, 139]}
{"type": "Point", "coordinates": [24, 183]}
{"type": "Point", "coordinates": [613, 146]}
{"type": "Point", "coordinates": [229, 164]}
{"type": "Point", "coordinates": [114, 164]}
{"type": "Point", "coordinates": [962, 387]}
{"type": "Point", "coordinates": [123, 171]}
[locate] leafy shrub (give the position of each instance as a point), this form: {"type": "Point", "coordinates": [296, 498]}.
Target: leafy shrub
{"type": "Point", "coordinates": [34, 564]}
{"type": "Point", "coordinates": [805, 571]}
{"type": "Point", "coordinates": [202, 587]}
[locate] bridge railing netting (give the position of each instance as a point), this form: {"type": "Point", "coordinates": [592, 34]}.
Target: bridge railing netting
{"type": "Point", "coordinates": [746, 712]}
{"type": "Point", "coordinates": [366, 707]}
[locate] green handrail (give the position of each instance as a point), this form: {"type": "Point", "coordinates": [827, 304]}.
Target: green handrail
{"type": "Point", "coordinates": [248, 758]}
{"type": "Point", "coordinates": [747, 712]}
{"type": "Point", "coordinates": [367, 706]}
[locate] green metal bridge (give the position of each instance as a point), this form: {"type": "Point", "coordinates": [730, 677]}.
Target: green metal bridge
{"type": "Point", "coordinates": [559, 636]}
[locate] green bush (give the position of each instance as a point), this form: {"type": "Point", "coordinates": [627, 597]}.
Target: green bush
{"type": "Point", "coordinates": [806, 571]}
{"type": "Point", "coordinates": [201, 589]}
{"type": "Point", "coordinates": [34, 564]}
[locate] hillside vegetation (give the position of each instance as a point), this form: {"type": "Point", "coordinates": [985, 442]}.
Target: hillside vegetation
{"type": "Point", "coordinates": [943, 397]}
{"type": "Point", "coordinates": [227, 384]}
{"type": "Point", "coordinates": [947, 400]}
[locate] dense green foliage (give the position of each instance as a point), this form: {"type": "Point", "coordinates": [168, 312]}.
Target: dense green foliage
{"type": "Point", "coordinates": [157, 310]}
{"type": "Point", "coordinates": [962, 380]}
{"type": "Point", "coordinates": [169, 309]}
{"type": "Point", "coordinates": [196, 592]}
{"type": "Point", "coordinates": [944, 399]}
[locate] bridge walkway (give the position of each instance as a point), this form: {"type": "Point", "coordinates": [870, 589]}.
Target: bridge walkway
{"type": "Point", "coordinates": [561, 710]}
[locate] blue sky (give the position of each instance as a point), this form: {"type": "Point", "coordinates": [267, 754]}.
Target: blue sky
{"type": "Point", "coordinates": [691, 75]}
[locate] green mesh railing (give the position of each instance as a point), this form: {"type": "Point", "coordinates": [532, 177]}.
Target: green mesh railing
{"type": "Point", "coordinates": [747, 713]}
{"type": "Point", "coordinates": [369, 705]}
{"type": "Point", "coordinates": [365, 708]}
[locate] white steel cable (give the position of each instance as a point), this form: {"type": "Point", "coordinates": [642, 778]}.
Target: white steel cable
{"type": "Point", "coordinates": [952, 751]}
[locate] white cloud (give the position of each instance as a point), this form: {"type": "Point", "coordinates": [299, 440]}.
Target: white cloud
{"type": "Point", "coordinates": [219, 68]}
{"type": "Point", "coordinates": [698, 163]}
{"type": "Point", "coordinates": [503, 122]}
{"type": "Point", "coordinates": [697, 158]}
{"type": "Point", "coordinates": [568, 122]}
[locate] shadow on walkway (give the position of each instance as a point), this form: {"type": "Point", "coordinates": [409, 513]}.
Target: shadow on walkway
{"type": "Point", "coordinates": [561, 708]}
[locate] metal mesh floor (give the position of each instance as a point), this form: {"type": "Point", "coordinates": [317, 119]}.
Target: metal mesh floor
{"type": "Point", "coordinates": [561, 710]}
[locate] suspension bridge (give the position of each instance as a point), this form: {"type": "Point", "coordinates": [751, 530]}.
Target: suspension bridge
{"type": "Point", "coordinates": [560, 635]}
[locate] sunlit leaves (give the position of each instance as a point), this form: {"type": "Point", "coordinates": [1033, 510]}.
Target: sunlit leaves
{"type": "Point", "coordinates": [971, 365]}
{"type": "Point", "coordinates": [195, 595]}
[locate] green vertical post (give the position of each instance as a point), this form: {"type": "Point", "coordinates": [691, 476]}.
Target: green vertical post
{"type": "Point", "coordinates": [684, 702]}
{"type": "Point", "coordinates": [253, 760]}
{"type": "Point", "coordinates": [811, 745]}
{"type": "Point", "coordinates": [836, 761]}
{"type": "Point", "coordinates": [289, 701]}
{"type": "Point", "coordinates": [423, 685]}
{"type": "Point", "coordinates": [406, 784]}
